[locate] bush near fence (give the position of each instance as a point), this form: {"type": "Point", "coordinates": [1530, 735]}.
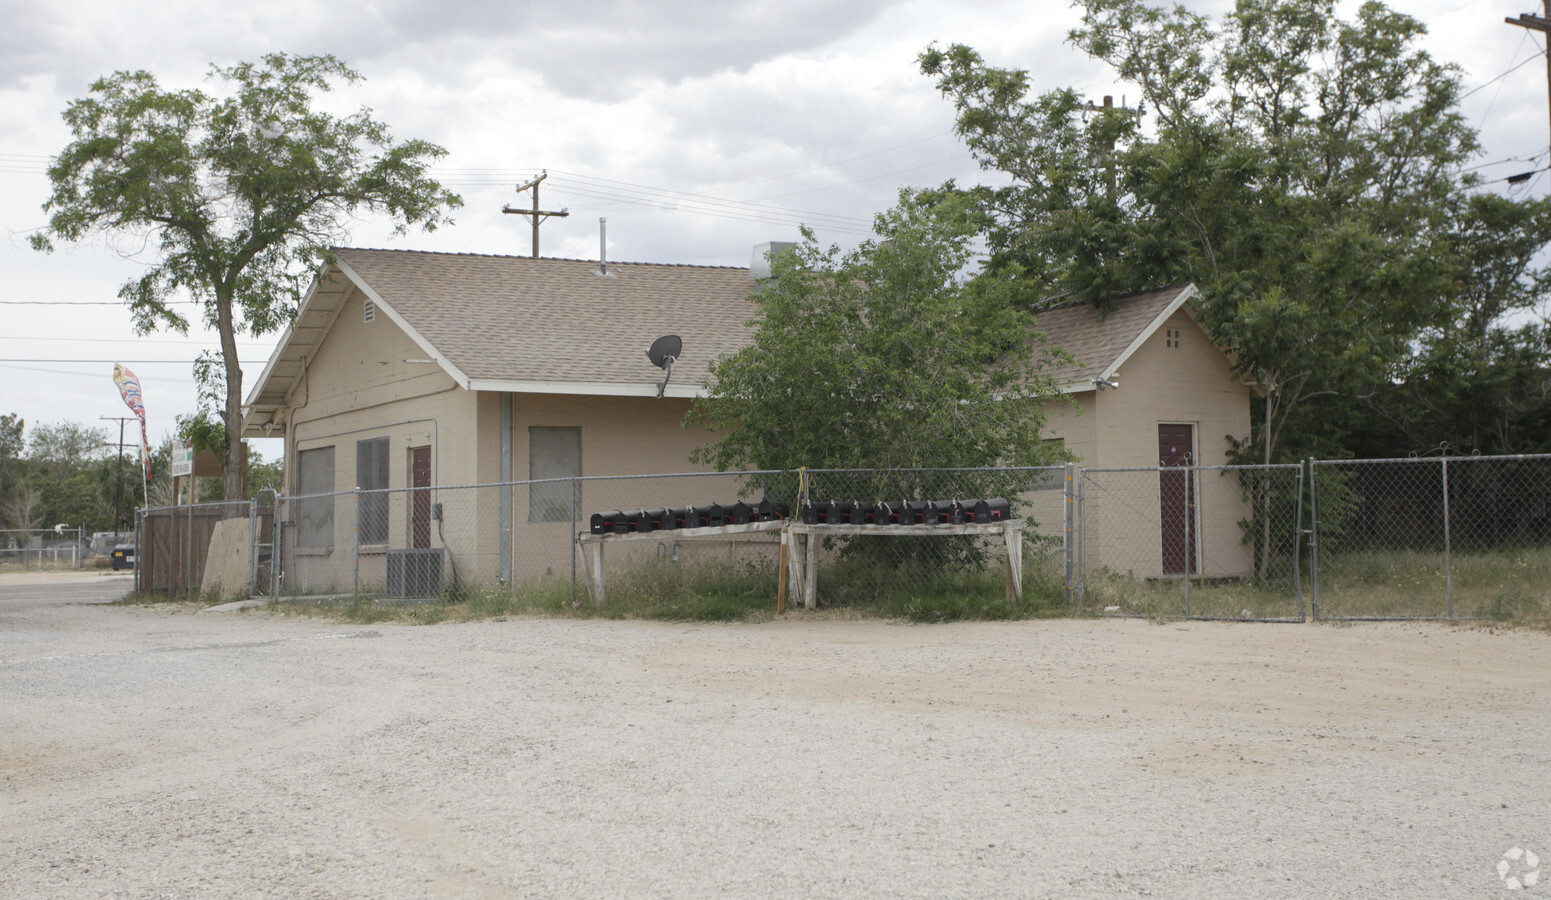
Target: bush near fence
{"type": "Point", "coordinates": [1429, 538]}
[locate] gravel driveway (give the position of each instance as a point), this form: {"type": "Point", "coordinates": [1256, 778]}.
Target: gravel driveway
{"type": "Point", "coordinates": [149, 752]}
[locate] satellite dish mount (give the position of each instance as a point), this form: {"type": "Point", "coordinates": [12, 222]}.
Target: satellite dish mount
{"type": "Point", "coordinates": [662, 353]}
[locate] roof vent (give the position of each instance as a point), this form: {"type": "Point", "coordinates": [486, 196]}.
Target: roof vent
{"type": "Point", "coordinates": [603, 247]}
{"type": "Point", "coordinates": [368, 312]}
{"type": "Point", "coordinates": [759, 267]}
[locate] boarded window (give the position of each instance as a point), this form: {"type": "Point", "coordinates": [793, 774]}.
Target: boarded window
{"type": "Point", "coordinates": [371, 476]}
{"type": "Point", "coordinates": [554, 453]}
{"type": "Point", "coordinates": [315, 515]}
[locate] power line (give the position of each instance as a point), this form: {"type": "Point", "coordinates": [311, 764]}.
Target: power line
{"type": "Point", "coordinates": [608, 184]}
{"type": "Point", "coordinates": [90, 303]}
{"type": "Point", "coordinates": [94, 340]}
{"type": "Point", "coordinates": [1487, 84]}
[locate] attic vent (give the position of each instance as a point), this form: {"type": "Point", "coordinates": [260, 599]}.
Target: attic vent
{"type": "Point", "coordinates": [1171, 337]}
{"type": "Point", "coordinates": [369, 312]}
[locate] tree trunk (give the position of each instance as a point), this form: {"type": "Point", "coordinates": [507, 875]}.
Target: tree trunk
{"type": "Point", "coordinates": [231, 480]}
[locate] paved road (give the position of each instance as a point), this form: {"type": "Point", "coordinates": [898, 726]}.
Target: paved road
{"type": "Point", "coordinates": [24, 591]}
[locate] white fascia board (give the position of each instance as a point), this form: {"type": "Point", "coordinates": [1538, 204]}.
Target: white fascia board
{"type": "Point", "coordinates": [585, 388]}
{"type": "Point", "coordinates": [1077, 387]}
{"type": "Point", "coordinates": [285, 336]}
{"type": "Point", "coordinates": [1186, 294]}
{"type": "Point", "coordinates": [425, 346]}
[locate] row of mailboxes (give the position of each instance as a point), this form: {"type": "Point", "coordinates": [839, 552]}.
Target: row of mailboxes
{"type": "Point", "coordinates": [624, 522]}
{"type": "Point", "coordinates": [906, 512]}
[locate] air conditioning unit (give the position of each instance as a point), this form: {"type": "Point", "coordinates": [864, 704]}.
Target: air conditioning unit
{"type": "Point", "coordinates": [416, 574]}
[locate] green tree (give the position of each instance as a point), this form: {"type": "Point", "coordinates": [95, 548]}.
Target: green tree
{"type": "Point", "coordinates": [887, 356]}
{"type": "Point", "coordinates": [1479, 378]}
{"type": "Point", "coordinates": [243, 194]}
{"type": "Point", "coordinates": [12, 443]}
{"type": "Point", "coordinates": [1300, 168]}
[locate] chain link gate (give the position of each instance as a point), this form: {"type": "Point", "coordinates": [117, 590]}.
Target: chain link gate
{"type": "Point", "coordinates": [1197, 542]}
{"type": "Point", "coordinates": [1429, 538]}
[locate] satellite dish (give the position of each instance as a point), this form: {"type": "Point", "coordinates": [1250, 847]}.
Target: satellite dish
{"type": "Point", "coordinates": [662, 353]}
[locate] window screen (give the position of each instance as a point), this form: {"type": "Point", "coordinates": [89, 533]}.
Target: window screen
{"type": "Point", "coordinates": [554, 453]}
{"type": "Point", "coordinates": [315, 515]}
{"type": "Point", "coordinates": [371, 476]}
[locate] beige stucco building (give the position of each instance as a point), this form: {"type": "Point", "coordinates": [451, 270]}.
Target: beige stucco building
{"type": "Point", "coordinates": [1149, 389]}
{"type": "Point", "coordinates": [421, 374]}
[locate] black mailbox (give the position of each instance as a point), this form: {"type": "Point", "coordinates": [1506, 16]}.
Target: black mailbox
{"type": "Point", "coordinates": [742, 513]}
{"type": "Point", "coordinates": [917, 512]}
{"type": "Point", "coordinates": [716, 515]}
{"type": "Point", "coordinates": [997, 509]}
{"type": "Point", "coordinates": [770, 511]}
{"type": "Point", "coordinates": [607, 522]}
{"type": "Point", "coordinates": [638, 521]}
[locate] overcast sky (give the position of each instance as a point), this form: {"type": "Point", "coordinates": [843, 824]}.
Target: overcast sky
{"type": "Point", "coordinates": [697, 128]}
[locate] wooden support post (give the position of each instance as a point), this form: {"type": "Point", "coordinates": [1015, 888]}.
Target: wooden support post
{"type": "Point", "coordinates": [1014, 535]}
{"type": "Point", "coordinates": [595, 577]}
{"type": "Point", "coordinates": [810, 577]}
{"type": "Point", "coordinates": [781, 575]}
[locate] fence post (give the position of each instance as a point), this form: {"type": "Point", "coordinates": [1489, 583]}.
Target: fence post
{"type": "Point", "coordinates": [1314, 540]}
{"type": "Point", "coordinates": [1190, 537]}
{"type": "Point", "coordinates": [1297, 539]}
{"type": "Point", "coordinates": [252, 544]}
{"type": "Point", "coordinates": [1068, 517]}
{"type": "Point", "coordinates": [1448, 564]}
{"type": "Point", "coordinates": [139, 548]}
{"type": "Point", "coordinates": [1082, 539]}
{"type": "Point", "coordinates": [276, 543]}
{"type": "Point", "coordinates": [575, 527]}
{"type": "Point", "coordinates": [357, 549]}
{"type": "Point", "coordinates": [188, 553]}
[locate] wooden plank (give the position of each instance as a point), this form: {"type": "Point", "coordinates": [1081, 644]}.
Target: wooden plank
{"type": "Point", "coordinates": [900, 530]}
{"type": "Point", "coordinates": [676, 533]}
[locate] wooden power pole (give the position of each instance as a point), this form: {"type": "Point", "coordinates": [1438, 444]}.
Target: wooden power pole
{"type": "Point", "coordinates": [1541, 24]}
{"type": "Point", "coordinates": [538, 215]}
{"type": "Point", "coordinates": [1109, 148]}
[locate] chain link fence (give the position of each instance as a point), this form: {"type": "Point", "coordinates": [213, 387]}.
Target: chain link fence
{"type": "Point", "coordinates": [43, 549]}
{"type": "Point", "coordinates": [445, 541]}
{"type": "Point", "coordinates": [1430, 538]}
{"type": "Point", "coordinates": [1205, 542]}
{"type": "Point", "coordinates": [1416, 538]}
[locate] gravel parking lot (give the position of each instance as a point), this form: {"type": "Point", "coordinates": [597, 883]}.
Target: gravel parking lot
{"type": "Point", "coordinates": [150, 752]}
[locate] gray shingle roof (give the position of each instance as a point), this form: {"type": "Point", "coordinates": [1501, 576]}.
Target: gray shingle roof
{"type": "Point", "coordinates": [1097, 340]}
{"type": "Point", "coordinates": [512, 318]}
{"type": "Point", "coordinates": [517, 323]}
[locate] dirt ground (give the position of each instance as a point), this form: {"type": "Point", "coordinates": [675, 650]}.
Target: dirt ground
{"type": "Point", "coordinates": [166, 752]}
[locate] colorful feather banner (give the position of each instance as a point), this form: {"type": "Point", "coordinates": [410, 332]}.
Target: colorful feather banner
{"type": "Point", "coordinates": [129, 389]}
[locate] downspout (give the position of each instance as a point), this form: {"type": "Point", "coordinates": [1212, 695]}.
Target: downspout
{"type": "Point", "coordinates": [506, 488]}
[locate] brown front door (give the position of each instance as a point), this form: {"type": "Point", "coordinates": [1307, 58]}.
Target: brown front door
{"type": "Point", "coordinates": [1177, 498]}
{"type": "Point", "coordinates": [420, 504]}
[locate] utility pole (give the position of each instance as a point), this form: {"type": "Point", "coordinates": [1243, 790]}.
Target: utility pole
{"type": "Point", "coordinates": [538, 215]}
{"type": "Point", "coordinates": [118, 492]}
{"type": "Point", "coordinates": [1541, 24]}
{"type": "Point", "coordinates": [1109, 148]}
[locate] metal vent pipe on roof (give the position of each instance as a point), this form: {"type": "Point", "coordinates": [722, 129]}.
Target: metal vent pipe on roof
{"type": "Point", "coordinates": [603, 246]}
